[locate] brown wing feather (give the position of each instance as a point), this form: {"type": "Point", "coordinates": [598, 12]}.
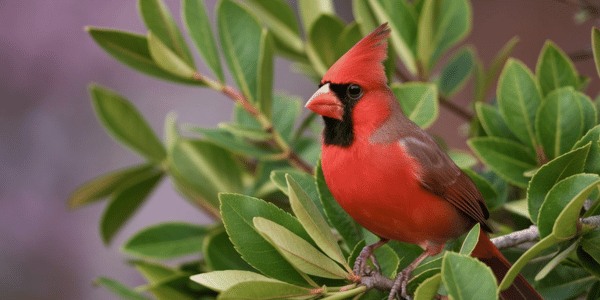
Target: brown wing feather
{"type": "Point", "coordinates": [442, 177]}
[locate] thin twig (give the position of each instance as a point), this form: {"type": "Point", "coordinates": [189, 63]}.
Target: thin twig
{"type": "Point", "coordinates": [461, 112]}
{"type": "Point", "coordinates": [581, 55]}
{"type": "Point", "coordinates": [401, 75]}
{"type": "Point", "coordinates": [277, 141]}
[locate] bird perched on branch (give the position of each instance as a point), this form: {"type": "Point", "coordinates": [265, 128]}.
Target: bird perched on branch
{"type": "Point", "coordinates": [389, 174]}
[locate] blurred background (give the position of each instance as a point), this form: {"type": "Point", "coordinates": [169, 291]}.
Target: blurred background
{"type": "Point", "coordinates": [51, 142]}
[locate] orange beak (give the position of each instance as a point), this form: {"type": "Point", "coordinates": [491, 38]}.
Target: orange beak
{"type": "Point", "coordinates": [325, 103]}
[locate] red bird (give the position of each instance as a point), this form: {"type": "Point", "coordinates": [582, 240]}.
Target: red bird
{"type": "Point", "coordinates": [389, 174]}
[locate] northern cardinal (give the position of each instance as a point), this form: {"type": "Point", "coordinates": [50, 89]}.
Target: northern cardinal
{"type": "Point", "coordinates": [389, 174]}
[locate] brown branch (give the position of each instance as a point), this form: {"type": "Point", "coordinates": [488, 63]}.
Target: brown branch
{"type": "Point", "coordinates": [581, 55]}
{"type": "Point", "coordinates": [277, 141]}
{"type": "Point", "coordinates": [461, 112]}
{"type": "Point", "coordinates": [403, 76]}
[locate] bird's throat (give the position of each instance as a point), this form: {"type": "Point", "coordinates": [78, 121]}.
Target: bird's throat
{"type": "Point", "coordinates": [338, 133]}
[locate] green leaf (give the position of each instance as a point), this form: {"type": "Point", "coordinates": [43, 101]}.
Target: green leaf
{"type": "Point", "coordinates": [171, 130]}
{"type": "Point", "coordinates": [590, 242]}
{"type": "Point", "coordinates": [559, 122]}
{"type": "Point", "coordinates": [549, 174]}
{"type": "Point", "coordinates": [220, 254]}
{"type": "Point", "coordinates": [428, 289]}
{"type": "Point", "coordinates": [322, 39]}
{"type": "Point", "coordinates": [286, 110]}
{"type": "Point", "coordinates": [165, 282]}
{"type": "Point", "coordinates": [594, 291]}
{"type": "Point", "coordinates": [189, 190]}
{"type": "Point", "coordinates": [518, 99]}
{"type": "Point", "coordinates": [264, 74]}
{"type": "Point", "coordinates": [518, 207]}
{"type": "Point", "coordinates": [364, 16]}
{"type": "Point", "coordinates": [470, 240]}
{"type": "Point", "coordinates": [402, 20]}
{"type": "Point", "coordinates": [222, 280]}
{"type": "Point", "coordinates": [125, 123]}
{"type": "Point", "coordinates": [554, 69]}
{"type": "Point", "coordinates": [575, 190]}
{"type": "Point", "coordinates": [241, 36]}
{"type": "Point", "coordinates": [207, 168]}
{"type": "Point", "coordinates": [155, 272]}
{"type": "Point", "coordinates": [418, 101]}
{"type": "Point", "coordinates": [429, 268]}
{"type": "Point", "coordinates": [279, 17]}
{"type": "Point", "coordinates": [492, 121]}
{"type": "Point", "coordinates": [506, 158]}
{"type": "Point", "coordinates": [485, 81]}
{"type": "Point", "coordinates": [159, 20]}
{"type": "Point", "coordinates": [310, 217]}
{"type": "Point", "coordinates": [462, 159]}
{"type": "Point", "coordinates": [596, 47]}
{"type": "Point", "coordinates": [345, 225]}
{"type": "Point", "coordinates": [166, 240]}
{"type": "Point", "coordinates": [242, 131]}
{"type": "Point", "coordinates": [105, 185]}
{"type": "Point", "coordinates": [311, 10]}
{"type": "Point", "coordinates": [122, 291]}
{"type": "Point", "coordinates": [565, 282]}
{"type": "Point", "coordinates": [458, 271]}
{"type": "Point", "coordinates": [198, 25]}
{"type": "Point", "coordinates": [555, 261]}
{"type": "Point", "coordinates": [456, 72]}
{"type": "Point", "coordinates": [530, 254]}
{"type": "Point", "coordinates": [441, 25]}
{"type": "Point", "coordinates": [132, 50]}
{"type": "Point", "coordinates": [348, 38]}
{"type": "Point", "coordinates": [265, 290]}
{"type": "Point", "coordinates": [237, 212]}
{"type": "Point", "coordinates": [167, 59]}
{"type": "Point", "coordinates": [590, 114]}
{"type": "Point", "coordinates": [592, 164]}
{"type": "Point", "coordinates": [300, 253]}
{"type": "Point", "coordinates": [225, 139]}
{"type": "Point", "coordinates": [388, 260]}
{"type": "Point", "coordinates": [304, 180]}
{"type": "Point", "coordinates": [125, 202]}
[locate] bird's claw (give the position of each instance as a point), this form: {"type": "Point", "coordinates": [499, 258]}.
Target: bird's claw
{"type": "Point", "coordinates": [400, 284]}
{"type": "Point", "coordinates": [360, 264]}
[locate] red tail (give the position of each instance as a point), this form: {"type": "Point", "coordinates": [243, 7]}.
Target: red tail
{"type": "Point", "coordinates": [491, 256]}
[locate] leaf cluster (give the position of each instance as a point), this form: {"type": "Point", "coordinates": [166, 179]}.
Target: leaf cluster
{"type": "Point", "coordinates": [279, 233]}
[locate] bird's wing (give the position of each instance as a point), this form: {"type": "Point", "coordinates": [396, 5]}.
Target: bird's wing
{"type": "Point", "coordinates": [441, 176]}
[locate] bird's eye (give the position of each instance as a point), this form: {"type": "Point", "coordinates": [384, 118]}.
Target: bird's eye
{"type": "Point", "coordinates": [354, 91]}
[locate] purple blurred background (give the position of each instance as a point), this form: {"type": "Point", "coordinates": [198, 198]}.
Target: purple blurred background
{"type": "Point", "coordinates": [50, 140]}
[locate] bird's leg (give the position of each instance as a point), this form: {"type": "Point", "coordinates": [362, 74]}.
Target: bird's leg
{"type": "Point", "coordinates": [402, 278]}
{"type": "Point", "coordinates": [365, 254]}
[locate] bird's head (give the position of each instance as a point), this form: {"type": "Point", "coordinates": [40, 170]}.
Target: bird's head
{"type": "Point", "coordinates": [355, 82]}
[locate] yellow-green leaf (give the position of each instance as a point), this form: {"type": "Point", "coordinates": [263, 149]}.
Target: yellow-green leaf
{"type": "Point", "coordinates": [308, 214]}
{"type": "Point", "coordinates": [300, 253]}
{"type": "Point", "coordinates": [167, 59]}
